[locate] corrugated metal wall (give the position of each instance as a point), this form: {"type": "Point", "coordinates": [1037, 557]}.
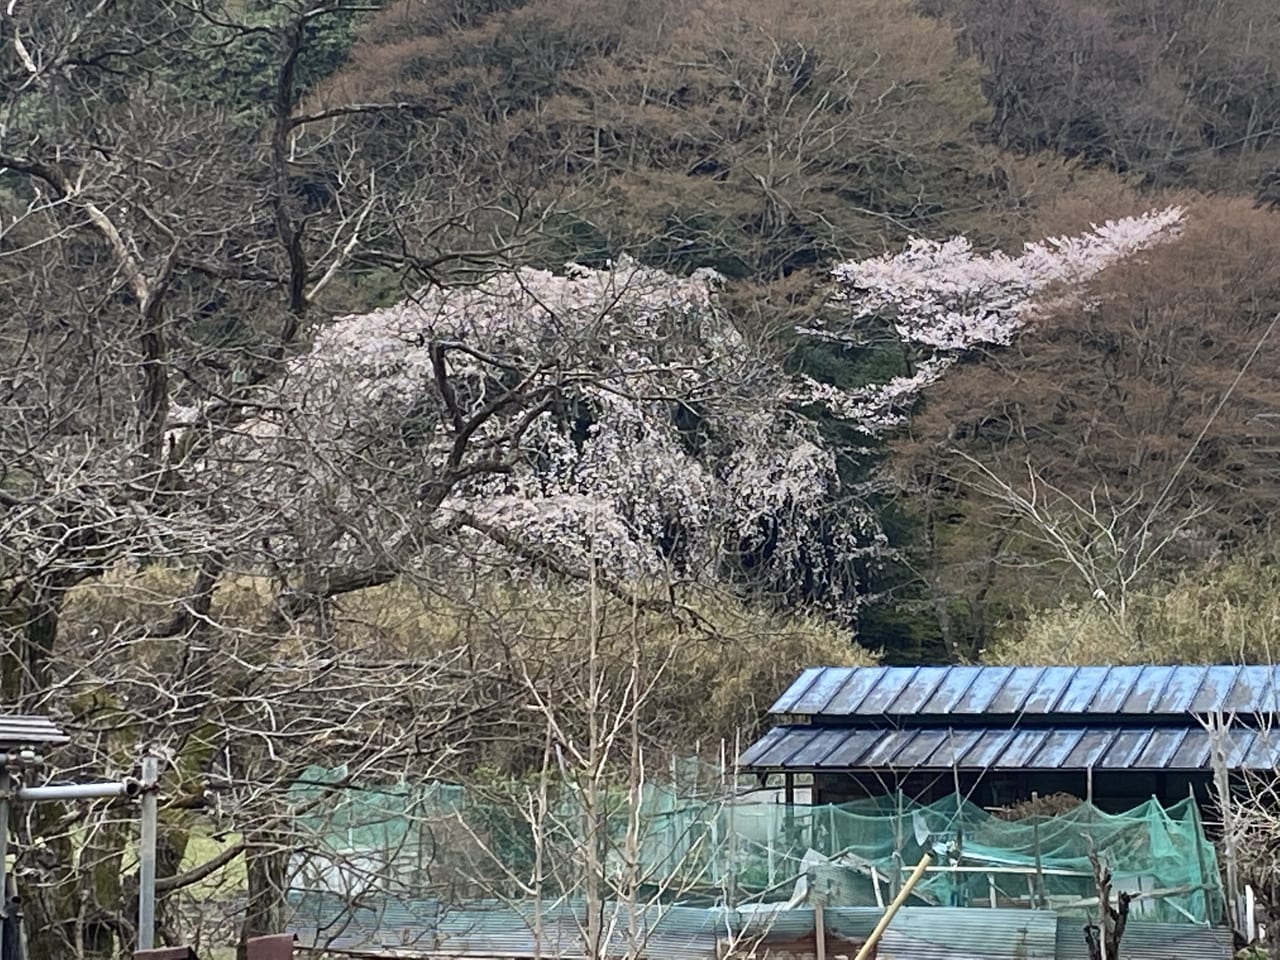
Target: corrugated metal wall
{"type": "Point", "coordinates": [688, 933]}
{"type": "Point", "coordinates": [1152, 941]}
{"type": "Point", "coordinates": [942, 933]}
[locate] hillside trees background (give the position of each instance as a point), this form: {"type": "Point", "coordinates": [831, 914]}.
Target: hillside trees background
{"type": "Point", "coordinates": [1177, 93]}
{"type": "Point", "coordinates": [182, 412]}
{"type": "Point", "coordinates": [1144, 422]}
{"type": "Point", "coordinates": [309, 442]}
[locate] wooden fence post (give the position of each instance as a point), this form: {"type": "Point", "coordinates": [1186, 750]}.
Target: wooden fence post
{"type": "Point", "coordinates": [278, 946]}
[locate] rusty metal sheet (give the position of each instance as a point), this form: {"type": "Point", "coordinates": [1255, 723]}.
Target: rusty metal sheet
{"type": "Point", "coordinates": [918, 691]}
{"type": "Point", "coordinates": [1014, 691]}
{"type": "Point", "coordinates": [1147, 690]}
{"type": "Point", "coordinates": [1115, 689]}
{"type": "Point", "coordinates": [1089, 749]}
{"type": "Point", "coordinates": [1181, 690]}
{"type": "Point", "coordinates": [1081, 690]}
{"type": "Point", "coordinates": [1160, 748]}
{"type": "Point", "coordinates": [1049, 690]}
{"type": "Point", "coordinates": [966, 691]}
{"type": "Point", "coordinates": [886, 690]}
{"type": "Point", "coordinates": [794, 692]}
{"type": "Point", "coordinates": [820, 690]}
{"type": "Point", "coordinates": [849, 697]}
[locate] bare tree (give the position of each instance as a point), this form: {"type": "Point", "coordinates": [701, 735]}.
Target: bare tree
{"type": "Point", "coordinates": [1103, 938]}
{"type": "Point", "coordinates": [165, 253]}
{"type": "Point", "coordinates": [600, 849]}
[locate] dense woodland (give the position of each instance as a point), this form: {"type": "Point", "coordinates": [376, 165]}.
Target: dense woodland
{"type": "Point", "coordinates": [459, 388]}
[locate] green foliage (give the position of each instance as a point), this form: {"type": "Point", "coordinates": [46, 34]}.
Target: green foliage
{"type": "Point", "coordinates": [1225, 612]}
{"type": "Point", "coordinates": [236, 66]}
{"type": "Point", "coordinates": [715, 669]}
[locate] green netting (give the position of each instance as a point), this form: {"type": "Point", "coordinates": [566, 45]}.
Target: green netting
{"type": "Point", "coordinates": [853, 854]}
{"type": "Point", "coordinates": [374, 821]}
{"type": "Point", "coordinates": [1156, 851]}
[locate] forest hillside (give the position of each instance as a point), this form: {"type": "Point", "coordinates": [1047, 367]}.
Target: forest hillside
{"type": "Point", "coordinates": [461, 388]}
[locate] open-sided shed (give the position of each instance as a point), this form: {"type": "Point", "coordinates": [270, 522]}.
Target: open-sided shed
{"type": "Point", "coordinates": [1115, 735]}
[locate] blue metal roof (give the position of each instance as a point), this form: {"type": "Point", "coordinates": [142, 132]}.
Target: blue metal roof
{"type": "Point", "coordinates": [1055, 747]}
{"type": "Point", "coordinates": [1032, 691]}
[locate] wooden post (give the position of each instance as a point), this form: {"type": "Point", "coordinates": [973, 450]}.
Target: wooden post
{"type": "Point", "coordinates": [1040, 900]}
{"type": "Point", "coordinates": [869, 948]}
{"type": "Point", "coordinates": [789, 818]}
{"type": "Point", "coordinates": [729, 795]}
{"type": "Point", "coordinates": [1204, 880]}
{"type": "Point", "coordinates": [1222, 786]}
{"type": "Point", "coordinates": [896, 879]}
{"type": "Point", "coordinates": [275, 947]}
{"type": "Point", "coordinates": [771, 839]}
{"type": "Point", "coordinates": [819, 930]}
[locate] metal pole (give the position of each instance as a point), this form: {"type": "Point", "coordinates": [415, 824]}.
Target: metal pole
{"type": "Point", "coordinates": [76, 791]}
{"type": "Point", "coordinates": [147, 856]}
{"type": "Point", "coordinates": [4, 852]}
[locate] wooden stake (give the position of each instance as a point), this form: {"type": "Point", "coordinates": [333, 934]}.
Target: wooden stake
{"type": "Point", "coordinates": [868, 948]}
{"type": "Point", "coordinates": [1040, 899]}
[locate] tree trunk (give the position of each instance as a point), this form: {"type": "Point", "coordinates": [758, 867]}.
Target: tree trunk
{"type": "Point", "coordinates": [266, 866]}
{"type": "Point", "coordinates": [1272, 915]}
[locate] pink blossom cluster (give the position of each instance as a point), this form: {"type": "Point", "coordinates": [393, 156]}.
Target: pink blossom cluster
{"type": "Point", "coordinates": [942, 298]}
{"type": "Point", "coordinates": [619, 413]}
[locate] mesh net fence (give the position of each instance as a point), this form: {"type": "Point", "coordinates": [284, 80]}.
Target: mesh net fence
{"type": "Point", "coordinates": [698, 846]}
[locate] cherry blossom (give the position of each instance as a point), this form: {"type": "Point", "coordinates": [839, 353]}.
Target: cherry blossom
{"type": "Point", "coordinates": [943, 299]}
{"type": "Point", "coordinates": [619, 415]}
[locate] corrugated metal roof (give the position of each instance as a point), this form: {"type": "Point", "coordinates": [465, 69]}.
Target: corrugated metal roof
{"type": "Point", "coordinates": [1032, 691]}
{"type": "Point", "coordinates": [1054, 747]}
{"type": "Point", "coordinates": [19, 730]}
